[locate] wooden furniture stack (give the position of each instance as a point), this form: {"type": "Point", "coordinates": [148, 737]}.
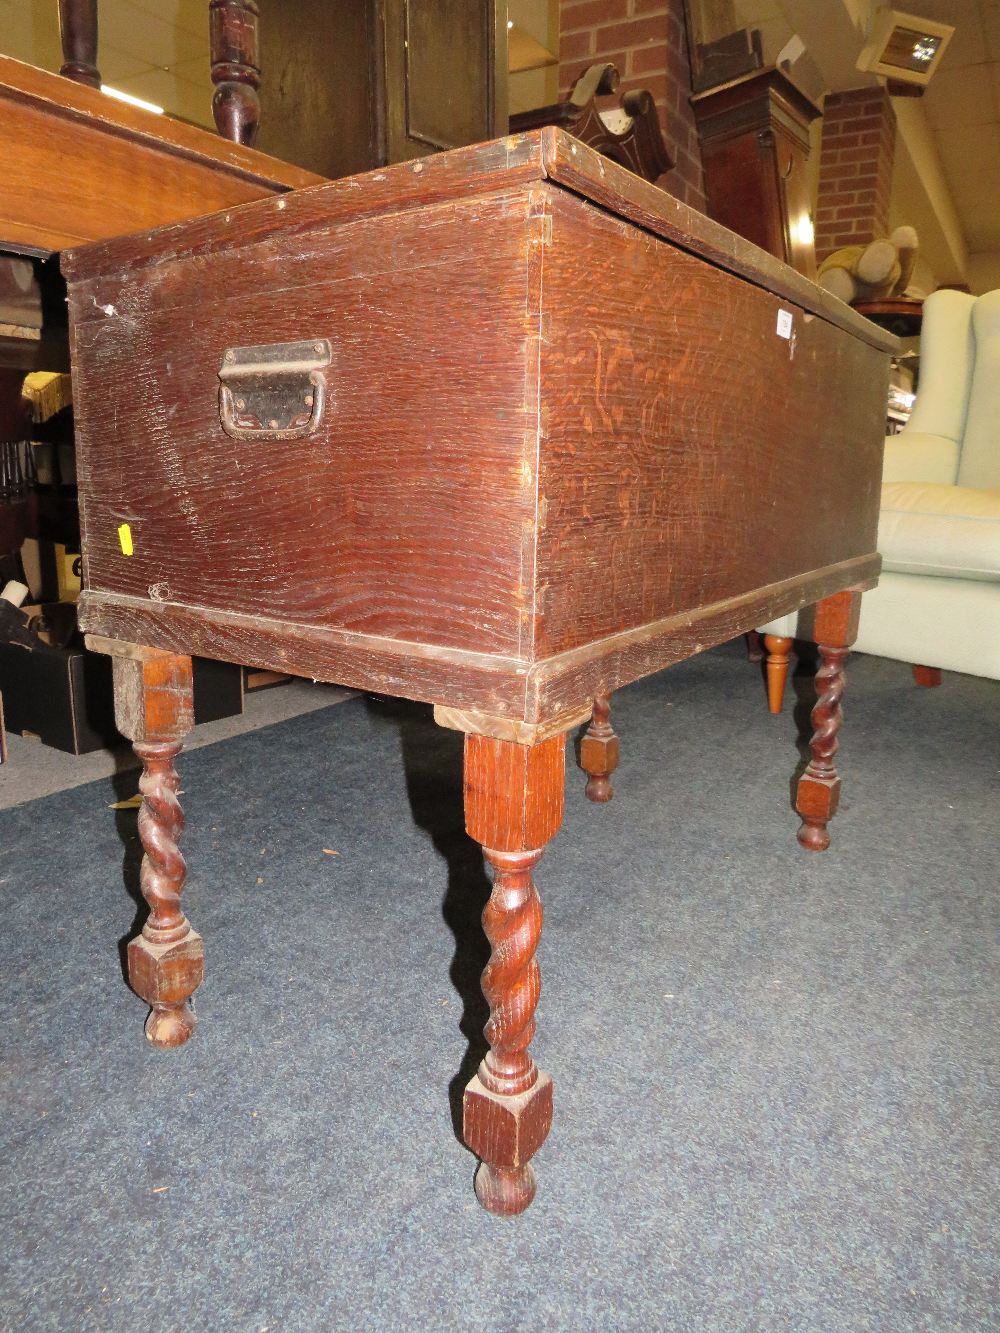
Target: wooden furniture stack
{"type": "Point", "coordinates": [79, 167]}
{"type": "Point", "coordinates": [130, 169]}
{"type": "Point", "coordinates": [753, 127]}
{"type": "Point", "coordinates": [629, 133]}
{"type": "Point", "coordinates": [503, 430]}
{"type": "Point", "coordinates": [754, 136]}
{"type": "Point", "coordinates": [351, 85]}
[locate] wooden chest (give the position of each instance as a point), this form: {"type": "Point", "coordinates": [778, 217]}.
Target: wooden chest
{"type": "Point", "coordinates": [570, 431]}
{"type": "Point", "coordinates": [502, 430]}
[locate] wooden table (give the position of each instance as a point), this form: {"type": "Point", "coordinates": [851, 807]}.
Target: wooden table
{"type": "Point", "coordinates": [899, 315]}
{"type": "Point", "coordinates": [80, 166]}
{"type": "Point", "coordinates": [502, 430]}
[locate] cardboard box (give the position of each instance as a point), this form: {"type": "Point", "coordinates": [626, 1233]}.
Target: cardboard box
{"type": "Point", "coordinates": [64, 695]}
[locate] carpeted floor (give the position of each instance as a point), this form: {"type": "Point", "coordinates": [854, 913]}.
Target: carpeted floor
{"type": "Point", "coordinates": [776, 1073]}
{"type": "Point", "coordinates": [34, 770]}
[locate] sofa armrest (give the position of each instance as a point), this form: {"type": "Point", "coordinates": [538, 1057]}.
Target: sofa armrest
{"type": "Point", "coordinates": [913, 456]}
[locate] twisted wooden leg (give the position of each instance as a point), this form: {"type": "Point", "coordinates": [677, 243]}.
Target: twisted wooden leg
{"type": "Point", "coordinates": [777, 648]}
{"type": "Point", "coordinates": [513, 806]}
{"type": "Point", "coordinates": [599, 751]}
{"type": "Point", "coordinates": [818, 793]}
{"type": "Point", "coordinates": [819, 786]}
{"type": "Point", "coordinates": [153, 707]}
{"type": "Point", "coordinates": [165, 962]}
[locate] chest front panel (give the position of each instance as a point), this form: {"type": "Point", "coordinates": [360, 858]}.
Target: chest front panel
{"type": "Point", "coordinates": [407, 513]}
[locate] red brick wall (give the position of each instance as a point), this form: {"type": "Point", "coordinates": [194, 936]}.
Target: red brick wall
{"type": "Point", "coordinates": [855, 169]}
{"type": "Point", "coordinates": [645, 39]}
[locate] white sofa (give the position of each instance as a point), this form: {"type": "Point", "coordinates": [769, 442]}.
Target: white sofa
{"type": "Point", "coordinates": [938, 602]}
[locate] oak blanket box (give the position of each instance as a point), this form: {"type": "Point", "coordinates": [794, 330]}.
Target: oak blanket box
{"type": "Point", "coordinates": [502, 430]}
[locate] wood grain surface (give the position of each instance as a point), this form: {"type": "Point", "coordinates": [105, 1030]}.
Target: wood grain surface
{"type": "Point", "coordinates": [408, 516]}
{"type": "Point", "coordinates": [514, 794]}
{"type": "Point", "coordinates": [481, 692]}
{"type": "Point", "coordinates": [79, 166]}
{"type": "Point", "coordinates": [685, 445]}
{"type": "Point", "coordinates": [546, 154]}
{"type": "Point", "coordinates": [576, 167]}
{"type": "Point", "coordinates": [463, 173]}
{"type": "Point", "coordinates": [560, 449]}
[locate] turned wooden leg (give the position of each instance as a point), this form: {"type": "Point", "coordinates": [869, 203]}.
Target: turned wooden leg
{"type": "Point", "coordinates": [153, 707]}
{"type": "Point", "coordinates": [78, 34]}
{"type": "Point", "coordinates": [513, 806]}
{"type": "Point", "coordinates": [235, 72]}
{"type": "Point", "coordinates": [599, 751]}
{"type": "Point", "coordinates": [928, 677]}
{"type": "Point", "coordinates": [777, 648]}
{"type": "Point", "coordinates": [818, 794]}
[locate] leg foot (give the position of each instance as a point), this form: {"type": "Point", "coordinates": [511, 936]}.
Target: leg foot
{"type": "Point", "coordinates": [813, 835]}
{"type": "Point", "coordinates": [599, 751]}
{"type": "Point", "coordinates": [168, 1028]}
{"type": "Point", "coordinates": [505, 1191]}
{"type": "Point", "coordinates": [777, 648]}
{"type": "Point", "coordinates": [505, 1131]}
{"type": "Point", "coordinates": [166, 976]}
{"type": "Point", "coordinates": [513, 806]}
{"type": "Point", "coordinates": [928, 677]}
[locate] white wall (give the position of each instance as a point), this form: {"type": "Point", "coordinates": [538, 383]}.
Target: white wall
{"type": "Point", "coordinates": [983, 272]}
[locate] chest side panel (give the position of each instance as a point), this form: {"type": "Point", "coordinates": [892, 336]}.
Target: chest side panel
{"type": "Point", "coordinates": [689, 453]}
{"type": "Point", "coordinates": [407, 514]}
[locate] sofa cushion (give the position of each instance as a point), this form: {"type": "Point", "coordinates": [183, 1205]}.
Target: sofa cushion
{"type": "Point", "coordinates": [942, 622]}
{"type": "Point", "coordinates": [950, 531]}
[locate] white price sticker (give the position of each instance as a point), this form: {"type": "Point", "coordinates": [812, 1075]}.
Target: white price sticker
{"type": "Point", "coordinates": [784, 329]}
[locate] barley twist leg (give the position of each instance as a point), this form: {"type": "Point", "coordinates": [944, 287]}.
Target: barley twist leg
{"type": "Point", "coordinates": [819, 787]}
{"type": "Point", "coordinates": [513, 806]}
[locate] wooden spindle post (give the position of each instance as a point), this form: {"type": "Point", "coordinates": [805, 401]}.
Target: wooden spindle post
{"type": "Point", "coordinates": [599, 751]}
{"type": "Point", "coordinates": [235, 72]}
{"type": "Point", "coordinates": [818, 793]}
{"type": "Point", "coordinates": [777, 647]}
{"type": "Point", "coordinates": [154, 709]}
{"type": "Point", "coordinates": [513, 806]}
{"type": "Point", "coordinates": [78, 34]}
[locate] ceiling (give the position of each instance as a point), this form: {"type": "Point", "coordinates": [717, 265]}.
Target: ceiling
{"type": "Point", "coordinates": [947, 178]}
{"type": "Point", "coordinates": [962, 103]}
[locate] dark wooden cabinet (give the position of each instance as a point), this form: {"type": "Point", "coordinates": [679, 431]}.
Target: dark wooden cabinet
{"type": "Point", "coordinates": [349, 85]}
{"type": "Point", "coordinates": [754, 134]}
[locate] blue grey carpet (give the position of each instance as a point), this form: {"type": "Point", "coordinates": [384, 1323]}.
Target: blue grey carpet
{"type": "Point", "coordinates": [776, 1073]}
